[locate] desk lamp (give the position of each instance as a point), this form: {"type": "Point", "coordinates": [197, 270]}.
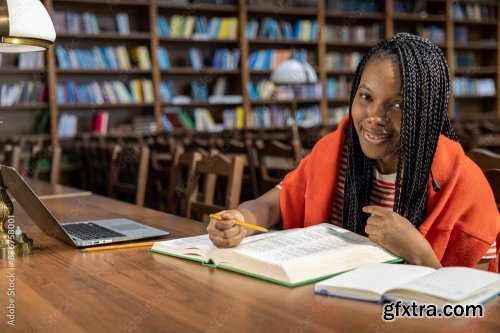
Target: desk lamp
{"type": "Point", "coordinates": [294, 72]}
{"type": "Point", "coordinates": [25, 26]}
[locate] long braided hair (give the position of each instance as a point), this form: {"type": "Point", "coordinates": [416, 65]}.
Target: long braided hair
{"type": "Point", "coordinates": [425, 90]}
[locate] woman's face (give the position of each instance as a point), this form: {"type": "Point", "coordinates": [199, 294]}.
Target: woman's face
{"type": "Point", "coordinates": [377, 111]}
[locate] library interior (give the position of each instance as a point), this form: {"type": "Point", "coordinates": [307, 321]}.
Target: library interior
{"type": "Point", "coordinates": [168, 111]}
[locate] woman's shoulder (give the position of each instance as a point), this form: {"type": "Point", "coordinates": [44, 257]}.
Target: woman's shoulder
{"type": "Point", "coordinates": [452, 167]}
{"type": "Point", "coordinates": [449, 158]}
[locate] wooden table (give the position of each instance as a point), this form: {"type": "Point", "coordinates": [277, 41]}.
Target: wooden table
{"type": "Point", "coordinates": [47, 191]}
{"type": "Point", "coordinates": [61, 289]}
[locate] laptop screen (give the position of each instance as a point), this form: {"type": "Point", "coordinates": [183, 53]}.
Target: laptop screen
{"type": "Point", "coordinates": [33, 206]}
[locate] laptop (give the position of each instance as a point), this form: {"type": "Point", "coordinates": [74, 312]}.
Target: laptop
{"type": "Point", "coordinates": [79, 234]}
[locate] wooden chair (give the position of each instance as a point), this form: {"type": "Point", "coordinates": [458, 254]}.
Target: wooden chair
{"type": "Point", "coordinates": [96, 163]}
{"type": "Point", "coordinates": [162, 153]}
{"type": "Point", "coordinates": [129, 173]}
{"type": "Point", "coordinates": [243, 147]}
{"type": "Point", "coordinates": [484, 158]}
{"type": "Point", "coordinates": [12, 155]}
{"type": "Point", "coordinates": [202, 142]}
{"type": "Point", "coordinates": [493, 177]}
{"type": "Point", "coordinates": [182, 173]}
{"type": "Point", "coordinates": [50, 155]}
{"type": "Point", "coordinates": [309, 136]}
{"type": "Point", "coordinates": [201, 192]}
{"type": "Point", "coordinates": [276, 159]}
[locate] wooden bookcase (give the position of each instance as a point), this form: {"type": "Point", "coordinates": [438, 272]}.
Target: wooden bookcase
{"type": "Point", "coordinates": [345, 27]}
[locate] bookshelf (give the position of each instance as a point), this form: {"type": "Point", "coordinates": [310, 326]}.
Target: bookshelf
{"type": "Point", "coordinates": [251, 37]}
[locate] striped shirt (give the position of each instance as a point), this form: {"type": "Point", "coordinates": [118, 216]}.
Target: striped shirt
{"type": "Point", "coordinates": [382, 194]}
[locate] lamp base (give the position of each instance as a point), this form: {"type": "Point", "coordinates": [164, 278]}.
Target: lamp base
{"type": "Point", "coordinates": [13, 248]}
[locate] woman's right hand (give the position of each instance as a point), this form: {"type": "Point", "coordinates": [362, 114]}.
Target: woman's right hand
{"type": "Point", "coordinates": [225, 233]}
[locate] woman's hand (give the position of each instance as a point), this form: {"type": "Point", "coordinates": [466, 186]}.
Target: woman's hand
{"type": "Point", "coordinates": [395, 233]}
{"type": "Point", "coordinates": [225, 233]}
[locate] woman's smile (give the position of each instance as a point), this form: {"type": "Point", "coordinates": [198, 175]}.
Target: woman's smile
{"type": "Point", "coordinates": [375, 137]}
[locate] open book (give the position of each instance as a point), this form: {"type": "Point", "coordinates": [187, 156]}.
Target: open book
{"type": "Point", "coordinates": [380, 282]}
{"type": "Point", "coordinates": [290, 257]}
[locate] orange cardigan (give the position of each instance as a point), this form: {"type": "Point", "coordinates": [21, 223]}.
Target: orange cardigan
{"type": "Point", "coordinates": [462, 220]}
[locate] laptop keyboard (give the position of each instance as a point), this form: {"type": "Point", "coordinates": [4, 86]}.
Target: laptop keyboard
{"type": "Point", "coordinates": [88, 231]}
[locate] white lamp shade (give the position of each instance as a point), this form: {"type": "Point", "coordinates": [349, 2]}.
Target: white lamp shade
{"type": "Point", "coordinates": [30, 27]}
{"type": "Point", "coordinates": [293, 71]}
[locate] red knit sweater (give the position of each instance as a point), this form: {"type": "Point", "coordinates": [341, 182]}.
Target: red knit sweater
{"type": "Point", "coordinates": [462, 220]}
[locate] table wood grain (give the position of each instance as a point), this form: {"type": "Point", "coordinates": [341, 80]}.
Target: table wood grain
{"type": "Point", "coordinates": [62, 289]}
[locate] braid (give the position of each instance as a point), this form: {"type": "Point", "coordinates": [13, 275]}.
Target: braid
{"type": "Point", "coordinates": [425, 89]}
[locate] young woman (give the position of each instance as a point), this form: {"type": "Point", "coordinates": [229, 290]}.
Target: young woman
{"type": "Point", "coordinates": [392, 170]}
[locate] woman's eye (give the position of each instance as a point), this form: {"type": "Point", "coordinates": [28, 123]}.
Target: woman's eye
{"type": "Point", "coordinates": [364, 97]}
{"type": "Point", "coordinates": [397, 105]}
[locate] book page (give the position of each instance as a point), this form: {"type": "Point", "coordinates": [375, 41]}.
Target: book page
{"type": "Point", "coordinates": [371, 281]}
{"type": "Point", "coordinates": [302, 254]}
{"type": "Point", "coordinates": [197, 246]}
{"type": "Point", "coordinates": [452, 283]}
{"type": "Point", "coordinates": [293, 244]}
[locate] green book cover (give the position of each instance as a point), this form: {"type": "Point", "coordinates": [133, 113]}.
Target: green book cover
{"type": "Point", "coordinates": [185, 120]}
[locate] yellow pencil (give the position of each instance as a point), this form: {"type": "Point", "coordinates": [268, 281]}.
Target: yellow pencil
{"type": "Point", "coordinates": [118, 246]}
{"type": "Point", "coordinates": [243, 224]}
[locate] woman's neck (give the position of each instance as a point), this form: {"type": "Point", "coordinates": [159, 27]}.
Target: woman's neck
{"type": "Point", "coordinates": [386, 167]}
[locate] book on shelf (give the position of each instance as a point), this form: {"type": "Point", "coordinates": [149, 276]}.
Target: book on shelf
{"type": "Point", "coordinates": [162, 26]}
{"type": "Point", "coordinates": [185, 120]}
{"type": "Point", "coordinates": [147, 91]}
{"type": "Point", "coordinates": [199, 90]}
{"type": "Point", "coordinates": [122, 23]}
{"type": "Point", "coordinates": [163, 58]}
{"type": "Point", "coordinates": [291, 257]}
{"type": "Point", "coordinates": [204, 121]}
{"type": "Point", "coordinates": [135, 87]}
{"type": "Point", "coordinates": [123, 57]}
{"type": "Point", "coordinates": [167, 90]}
{"type": "Point", "coordinates": [188, 27]}
{"type": "Point", "coordinates": [219, 88]}
{"type": "Point", "coordinates": [23, 92]}
{"type": "Point", "coordinates": [378, 282]}
{"type": "Point", "coordinates": [100, 123]}
{"type": "Point", "coordinates": [67, 125]}
{"type": "Point", "coordinates": [90, 25]}
{"type": "Point", "coordinates": [195, 58]}
{"type": "Point", "coordinates": [140, 54]}
{"type": "Point", "coordinates": [33, 60]}
{"type": "Point", "coordinates": [233, 118]}
{"type": "Point", "coordinates": [228, 28]}
{"type": "Point", "coordinates": [170, 119]}
{"type": "Point", "coordinates": [177, 26]}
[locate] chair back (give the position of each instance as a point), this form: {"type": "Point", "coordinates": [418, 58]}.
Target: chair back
{"type": "Point", "coordinates": [129, 172]}
{"type": "Point", "coordinates": [160, 164]}
{"type": "Point", "coordinates": [493, 177]}
{"type": "Point", "coordinates": [96, 163]}
{"type": "Point", "coordinates": [243, 147]}
{"type": "Point", "coordinates": [182, 174]}
{"type": "Point", "coordinates": [12, 155]}
{"type": "Point", "coordinates": [486, 159]}
{"type": "Point", "coordinates": [276, 159]}
{"type": "Point", "coordinates": [201, 195]}
{"type": "Point", "coordinates": [41, 155]}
